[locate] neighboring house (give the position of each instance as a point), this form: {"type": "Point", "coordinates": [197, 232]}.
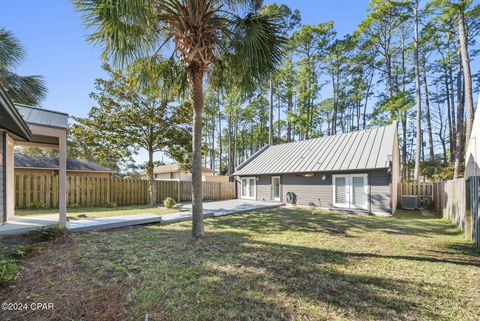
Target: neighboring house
{"type": "Point", "coordinates": [174, 171]}
{"type": "Point", "coordinates": [472, 156]}
{"type": "Point", "coordinates": [356, 171]}
{"type": "Point", "coordinates": [40, 165]}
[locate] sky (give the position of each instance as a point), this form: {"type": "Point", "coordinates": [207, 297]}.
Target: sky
{"type": "Point", "coordinates": [54, 38]}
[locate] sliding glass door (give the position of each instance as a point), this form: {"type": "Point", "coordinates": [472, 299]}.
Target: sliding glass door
{"type": "Point", "coordinates": [248, 188]}
{"type": "Point", "coordinates": [350, 191]}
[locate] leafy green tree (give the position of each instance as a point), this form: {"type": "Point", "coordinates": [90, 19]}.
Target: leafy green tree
{"type": "Point", "coordinates": [310, 43]}
{"type": "Point", "coordinates": [134, 117]}
{"type": "Point", "coordinates": [30, 90]}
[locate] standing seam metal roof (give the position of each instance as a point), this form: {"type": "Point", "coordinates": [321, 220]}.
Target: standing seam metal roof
{"type": "Point", "coordinates": [366, 149]}
{"type": "Point", "coordinates": [44, 117]}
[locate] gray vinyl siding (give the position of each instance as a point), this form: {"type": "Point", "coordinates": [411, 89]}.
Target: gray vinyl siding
{"type": "Point", "coordinates": [263, 188]}
{"type": "Point", "coordinates": [310, 191]}
{"type": "Point", "coordinates": [380, 192]}
{"type": "Point", "coordinates": [314, 191]}
{"type": "Point", "coordinates": [2, 175]}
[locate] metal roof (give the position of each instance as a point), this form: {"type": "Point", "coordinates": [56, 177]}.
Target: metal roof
{"type": "Point", "coordinates": [44, 117]}
{"type": "Point", "coordinates": [10, 118]}
{"type": "Point", "coordinates": [366, 149]}
{"type": "Point", "coordinates": [43, 162]}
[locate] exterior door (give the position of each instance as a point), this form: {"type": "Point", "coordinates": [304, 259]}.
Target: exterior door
{"type": "Point", "coordinates": [341, 196]}
{"type": "Point", "coordinates": [248, 188]}
{"type": "Point", "coordinates": [350, 191]}
{"type": "Point", "coordinates": [359, 191]}
{"type": "Point", "coordinates": [276, 188]}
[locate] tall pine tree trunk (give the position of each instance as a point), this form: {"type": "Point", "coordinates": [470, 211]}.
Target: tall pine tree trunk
{"type": "Point", "coordinates": [459, 129]}
{"type": "Point", "coordinates": [467, 74]}
{"type": "Point", "coordinates": [270, 115]}
{"type": "Point", "coordinates": [427, 112]}
{"type": "Point", "coordinates": [452, 113]}
{"type": "Point", "coordinates": [196, 85]}
{"type": "Point", "coordinates": [416, 173]}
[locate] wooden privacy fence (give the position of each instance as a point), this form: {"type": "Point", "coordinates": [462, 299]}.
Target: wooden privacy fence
{"type": "Point", "coordinates": [423, 191]}
{"type": "Point", "coordinates": [458, 201]}
{"type": "Point", "coordinates": [98, 191]}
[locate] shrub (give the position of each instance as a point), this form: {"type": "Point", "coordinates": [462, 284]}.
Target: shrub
{"type": "Point", "coordinates": [111, 205]}
{"type": "Point", "coordinates": [36, 205]}
{"type": "Point", "coordinates": [8, 269]}
{"type": "Point", "coordinates": [169, 202]}
{"type": "Point", "coordinates": [73, 205]}
{"type": "Point", "coordinates": [49, 233]}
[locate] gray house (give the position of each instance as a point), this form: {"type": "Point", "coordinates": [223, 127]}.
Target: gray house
{"type": "Point", "coordinates": [356, 171]}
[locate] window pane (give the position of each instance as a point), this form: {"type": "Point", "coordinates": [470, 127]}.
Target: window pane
{"type": "Point", "coordinates": [251, 187]}
{"type": "Point", "coordinates": [276, 187]}
{"type": "Point", "coordinates": [340, 190]}
{"type": "Point", "coordinates": [244, 187]}
{"type": "Point", "coordinates": [358, 190]}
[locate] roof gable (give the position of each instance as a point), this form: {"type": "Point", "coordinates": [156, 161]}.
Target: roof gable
{"type": "Point", "coordinates": [366, 149]}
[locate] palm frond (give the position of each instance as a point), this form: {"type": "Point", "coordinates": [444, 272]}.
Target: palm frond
{"type": "Point", "coordinates": [30, 90]}
{"type": "Point", "coordinates": [257, 48]}
{"type": "Point", "coordinates": [159, 74]}
{"type": "Point", "coordinates": [126, 29]}
{"type": "Point", "coordinates": [11, 52]}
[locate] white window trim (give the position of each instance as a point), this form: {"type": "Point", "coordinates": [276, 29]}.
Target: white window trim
{"type": "Point", "coordinates": [248, 189]}
{"type": "Point", "coordinates": [348, 191]}
{"type": "Point", "coordinates": [279, 188]}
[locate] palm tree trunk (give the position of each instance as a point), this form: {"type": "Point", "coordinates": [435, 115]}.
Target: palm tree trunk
{"type": "Point", "coordinates": [467, 74]}
{"type": "Point", "coordinates": [196, 85]}
{"type": "Point", "coordinates": [151, 178]}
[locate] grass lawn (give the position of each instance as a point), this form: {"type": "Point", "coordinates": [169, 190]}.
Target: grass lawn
{"type": "Point", "coordinates": [101, 211]}
{"type": "Point", "coordinates": [281, 264]}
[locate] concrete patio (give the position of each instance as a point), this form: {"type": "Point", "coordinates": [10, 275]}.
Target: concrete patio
{"type": "Point", "coordinates": [19, 225]}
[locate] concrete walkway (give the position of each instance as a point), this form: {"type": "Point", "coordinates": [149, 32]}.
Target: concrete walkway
{"type": "Point", "coordinates": [24, 224]}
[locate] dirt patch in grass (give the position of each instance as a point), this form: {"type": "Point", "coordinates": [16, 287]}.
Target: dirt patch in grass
{"type": "Point", "coordinates": [49, 277]}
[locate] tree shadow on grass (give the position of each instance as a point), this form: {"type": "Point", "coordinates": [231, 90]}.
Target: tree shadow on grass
{"type": "Point", "coordinates": [332, 223]}
{"type": "Point", "coordinates": [231, 274]}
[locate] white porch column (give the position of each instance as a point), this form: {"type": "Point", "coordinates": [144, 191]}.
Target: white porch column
{"type": "Point", "coordinates": [10, 177]}
{"type": "Point", "coordinates": [62, 178]}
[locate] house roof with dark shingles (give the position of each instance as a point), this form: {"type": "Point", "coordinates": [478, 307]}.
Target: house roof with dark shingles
{"type": "Point", "coordinates": [43, 162]}
{"type": "Point", "coordinates": [358, 150]}
{"type": "Point", "coordinates": [173, 168]}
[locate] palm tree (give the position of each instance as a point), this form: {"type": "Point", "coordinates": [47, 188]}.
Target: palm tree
{"type": "Point", "coordinates": [21, 89]}
{"type": "Point", "coordinates": [212, 37]}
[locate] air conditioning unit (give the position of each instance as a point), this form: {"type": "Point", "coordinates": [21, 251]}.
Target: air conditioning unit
{"type": "Point", "coordinates": [409, 202]}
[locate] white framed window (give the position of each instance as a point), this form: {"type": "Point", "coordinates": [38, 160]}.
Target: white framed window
{"type": "Point", "coordinates": [275, 188]}
{"type": "Point", "coordinates": [350, 191]}
{"type": "Point", "coordinates": [248, 188]}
